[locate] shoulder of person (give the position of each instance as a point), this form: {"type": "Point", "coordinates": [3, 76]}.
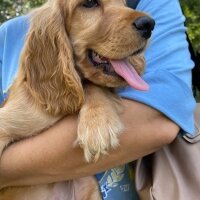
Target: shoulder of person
{"type": "Point", "coordinates": [158, 8]}
{"type": "Point", "coordinates": [15, 22]}
{"type": "Point", "coordinates": [14, 27]}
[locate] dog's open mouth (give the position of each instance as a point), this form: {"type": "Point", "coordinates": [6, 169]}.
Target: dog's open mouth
{"type": "Point", "coordinates": [101, 62]}
{"type": "Point", "coordinates": [120, 68]}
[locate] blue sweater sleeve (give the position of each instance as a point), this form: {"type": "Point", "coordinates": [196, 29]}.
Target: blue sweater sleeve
{"type": "Point", "coordinates": [168, 65]}
{"type": "Point", "coordinates": [1, 92]}
{"type": "Point", "coordinates": [12, 36]}
{"type": "Point", "coordinates": [1, 61]}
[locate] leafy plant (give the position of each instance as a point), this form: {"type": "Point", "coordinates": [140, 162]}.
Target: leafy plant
{"type": "Point", "coordinates": [191, 10]}
{"type": "Point", "coordinates": [10, 8]}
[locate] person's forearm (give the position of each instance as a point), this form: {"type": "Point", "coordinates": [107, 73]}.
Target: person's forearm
{"type": "Point", "coordinates": [51, 156]}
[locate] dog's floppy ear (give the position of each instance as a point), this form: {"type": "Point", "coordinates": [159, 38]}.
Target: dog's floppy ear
{"type": "Point", "coordinates": [47, 64]}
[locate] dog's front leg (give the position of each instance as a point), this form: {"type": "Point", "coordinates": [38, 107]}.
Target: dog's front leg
{"type": "Point", "coordinates": [99, 122]}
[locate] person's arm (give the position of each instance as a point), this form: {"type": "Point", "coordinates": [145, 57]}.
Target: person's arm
{"type": "Point", "coordinates": [51, 157]}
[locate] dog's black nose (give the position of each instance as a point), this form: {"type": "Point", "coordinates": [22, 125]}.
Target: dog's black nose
{"type": "Point", "coordinates": [145, 26]}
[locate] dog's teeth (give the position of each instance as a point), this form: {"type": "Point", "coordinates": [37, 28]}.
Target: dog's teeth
{"type": "Point", "coordinates": [99, 59]}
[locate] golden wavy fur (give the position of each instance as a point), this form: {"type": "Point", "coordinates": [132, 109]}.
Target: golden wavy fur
{"type": "Point", "coordinates": [51, 80]}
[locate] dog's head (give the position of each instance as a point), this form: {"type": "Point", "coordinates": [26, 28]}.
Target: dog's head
{"type": "Point", "coordinates": [105, 34]}
{"type": "Point", "coordinates": [72, 40]}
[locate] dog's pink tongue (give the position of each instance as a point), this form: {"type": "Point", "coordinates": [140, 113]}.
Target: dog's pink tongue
{"type": "Point", "coordinates": [127, 71]}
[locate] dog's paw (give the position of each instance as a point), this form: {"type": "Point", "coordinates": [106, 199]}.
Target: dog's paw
{"type": "Point", "coordinates": [98, 131]}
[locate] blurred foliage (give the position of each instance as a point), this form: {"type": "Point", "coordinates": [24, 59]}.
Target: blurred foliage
{"type": "Point", "coordinates": [191, 8]}
{"type": "Point", "coordinates": [198, 97]}
{"type": "Point", "coordinates": [13, 8]}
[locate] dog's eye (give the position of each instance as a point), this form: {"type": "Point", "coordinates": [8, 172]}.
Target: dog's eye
{"type": "Point", "coordinates": [90, 3]}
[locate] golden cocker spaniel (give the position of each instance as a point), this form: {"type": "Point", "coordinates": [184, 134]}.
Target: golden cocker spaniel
{"type": "Point", "coordinates": [75, 52]}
